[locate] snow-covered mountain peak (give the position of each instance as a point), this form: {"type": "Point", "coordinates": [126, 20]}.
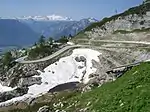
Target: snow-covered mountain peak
{"type": "Point", "coordinates": [92, 20]}
{"type": "Point", "coordinates": [46, 18]}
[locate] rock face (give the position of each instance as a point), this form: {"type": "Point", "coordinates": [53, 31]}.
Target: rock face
{"type": "Point", "coordinates": [132, 20]}
{"type": "Point", "coordinates": [12, 94]}
{"type": "Point", "coordinates": [29, 81]}
{"type": "Point", "coordinates": [21, 74]}
{"type": "Point", "coordinates": [111, 59]}
{"type": "Point", "coordinates": [80, 59]}
{"type": "Point", "coordinates": [127, 23]}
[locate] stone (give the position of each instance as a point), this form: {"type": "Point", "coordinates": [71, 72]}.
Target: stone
{"type": "Point", "coordinates": [12, 94]}
{"type": "Point", "coordinates": [84, 72]}
{"type": "Point", "coordinates": [93, 75]}
{"type": "Point", "coordinates": [29, 81]}
{"type": "Point", "coordinates": [82, 58]}
{"type": "Point", "coordinates": [44, 109]}
{"type": "Point", "coordinates": [80, 67]}
{"type": "Point", "coordinates": [77, 59]}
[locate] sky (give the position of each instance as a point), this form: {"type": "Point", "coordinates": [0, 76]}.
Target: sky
{"type": "Point", "coordinates": [76, 9]}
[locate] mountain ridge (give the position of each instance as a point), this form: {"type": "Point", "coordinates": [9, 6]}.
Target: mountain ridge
{"type": "Point", "coordinates": [52, 17]}
{"type": "Point", "coordinates": [56, 29]}
{"type": "Point", "coordinates": [46, 18]}
{"type": "Point", "coordinates": [27, 32]}
{"type": "Point", "coordinates": [135, 19]}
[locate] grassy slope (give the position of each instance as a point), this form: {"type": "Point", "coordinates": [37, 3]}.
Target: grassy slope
{"type": "Point", "coordinates": [130, 93]}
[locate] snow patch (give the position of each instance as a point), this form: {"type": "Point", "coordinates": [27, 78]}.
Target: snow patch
{"type": "Point", "coordinates": [70, 43]}
{"type": "Point", "coordinates": [66, 70]}
{"type": "Point", "coordinates": [92, 20]}
{"type": "Point", "coordinates": [5, 88]}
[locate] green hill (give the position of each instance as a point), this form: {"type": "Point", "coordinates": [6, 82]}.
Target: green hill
{"type": "Point", "coordinates": [130, 93]}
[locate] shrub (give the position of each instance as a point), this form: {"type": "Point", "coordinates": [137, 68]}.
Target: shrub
{"type": "Point", "coordinates": [63, 40]}
{"type": "Point", "coordinates": [7, 59]}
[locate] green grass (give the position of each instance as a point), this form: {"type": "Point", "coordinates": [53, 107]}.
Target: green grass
{"type": "Point", "coordinates": [130, 93]}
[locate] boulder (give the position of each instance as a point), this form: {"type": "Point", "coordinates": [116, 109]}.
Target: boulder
{"type": "Point", "coordinates": [44, 109]}
{"type": "Point", "coordinates": [77, 59]}
{"type": "Point", "coordinates": [29, 81]}
{"type": "Point", "coordinates": [80, 59]}
{"type": "Point", "coordinates": [12, 94]}
{"type": "Point", "coordinates": [80, 67]}
{"type": "Point", "coordinates": [10, 82]}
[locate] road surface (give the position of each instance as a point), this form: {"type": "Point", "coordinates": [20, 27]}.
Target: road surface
{"type": "Point", "coordinates": [23, 61]}
{"type": "Point", "coordinates": [111, 41]}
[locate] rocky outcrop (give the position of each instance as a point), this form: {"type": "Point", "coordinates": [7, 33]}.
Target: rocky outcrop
{"type": "Point", "coordinates": [21, 74]}
{"type": "Point", "coordinates": [127, 23]}
{"type": "Point", "coordinates": [44, 109]}
{"type": "Point", "coordinates": [29, 81]}
{"type": "Point", "coordinates": [80, 59]}
{"type": "Point", "coordinates": [135, 19]}
{"type": "Point", "coordinates": [12, 94]}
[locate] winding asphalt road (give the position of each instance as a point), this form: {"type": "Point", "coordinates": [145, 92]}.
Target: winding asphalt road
{"type": "Point", "coordinates": [23, 61]}
{"type": "Point", "coordinates": [111, 41]}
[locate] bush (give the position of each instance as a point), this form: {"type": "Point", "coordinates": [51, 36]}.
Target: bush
{"type": "Point", "coordinates": [40, 51]}
{"type": "Point", "coordinates": [63, 40]}
{"type": "Point", "coordinates": [7, 59]}
{"type": "Point", "coordinates": [41, 40]}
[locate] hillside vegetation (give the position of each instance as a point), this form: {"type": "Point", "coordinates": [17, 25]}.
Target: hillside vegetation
{"type": "Point", "coordinates": [130, 93]}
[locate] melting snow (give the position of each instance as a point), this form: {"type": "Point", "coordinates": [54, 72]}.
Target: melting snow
{"type": "Point", "coordinates": [5, 88]}
{"type": "Point", "coordinates": [63, 71]}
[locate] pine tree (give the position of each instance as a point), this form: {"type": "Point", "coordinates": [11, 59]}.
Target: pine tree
{"type": "Point", "coordinates": [41, 40]}
{"type": "Point", "coordinates": [7, 59]}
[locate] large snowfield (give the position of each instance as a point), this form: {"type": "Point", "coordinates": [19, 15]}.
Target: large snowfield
{"type": "Point", "coordinates": [67, 69]}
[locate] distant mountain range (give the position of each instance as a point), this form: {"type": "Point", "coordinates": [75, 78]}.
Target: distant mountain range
{"type": "Point", "coordinates": [45, 18]}
{"type": "Point", "coordinates": [27, 30]}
